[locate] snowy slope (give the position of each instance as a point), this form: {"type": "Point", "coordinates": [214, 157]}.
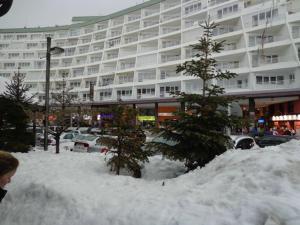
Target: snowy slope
{"type": "Point", "coordinates": [258, 187]}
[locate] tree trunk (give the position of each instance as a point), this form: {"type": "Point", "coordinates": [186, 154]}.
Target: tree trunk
{"type": "Point", "coordinates": [57, 137]}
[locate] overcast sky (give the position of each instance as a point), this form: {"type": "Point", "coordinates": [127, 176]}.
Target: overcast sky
{"type": "Point", "coordinates": [33, 13]}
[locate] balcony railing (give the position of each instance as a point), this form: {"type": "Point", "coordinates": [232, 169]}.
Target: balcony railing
{"type": "Point", "coordinates": [170, 17]}
{"type": "Point", "coordinates": [125, 66]}
{"type": "Point", "coordinates": [258, 40]}
{"type": "Point", "coordinates": [264, 61]}
{"type": "Point", "coordinates": [276, 84]}
{"type": "Point", "coordinates": [217, 2]}
{"type": "Point", "coordinates": [169, 58]}
{"type": "Point", "coordinates": [167, 44]}
{"type": "Point", "coordinates": [224, 30]}
{"type": "Point", "coordinates": [228, 65]}
{"type": "Point", "coordinates": [167, 30]}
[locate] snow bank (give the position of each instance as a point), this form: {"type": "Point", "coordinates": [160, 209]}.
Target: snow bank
{"type": "Point", "coordinates": [258, 187]}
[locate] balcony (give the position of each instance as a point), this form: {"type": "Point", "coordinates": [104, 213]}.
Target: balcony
{"type": "Point", "coordinates": [258, 61]}
{"type": "Point", "coordinates": [217, 2]}
{"type": "Point", "coordinates": [170, 17]}
{"type": "Point", "coordinates": [167, 30]}
{"type": "Point", "coordinates": [170, 4]}
{"type": "Point", "coordinates": [150, 23]}
{"type": "Point", "coordinates": [226, 11]}
{"type": "Point", "coordinates": [169, 58]}
{"type": "Point", "coordinates": [234, 84]}
{"type": "Point", "coordinates": [274, 82]}
{"type": "Point", "coordinates": [224, 30]}
{"type": "Point", "coordinates": [228, 65]}
{"type": "Point", "coordinates": [170, 43]}
{"type": "Point", "coordinates": [259, 40]}
{"type": "Point", "coordinates": [129, 65]}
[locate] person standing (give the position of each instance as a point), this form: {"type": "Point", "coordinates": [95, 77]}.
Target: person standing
{"type": "Point", "coordinates": [8, 168]}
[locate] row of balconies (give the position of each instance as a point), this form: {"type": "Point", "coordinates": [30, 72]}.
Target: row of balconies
{"type": "Point", "coordinates": [263, 82]}
{"type": "Point", "coordinates": [252, 20]}
{"type": "Point", "coordinates": [257, 59]}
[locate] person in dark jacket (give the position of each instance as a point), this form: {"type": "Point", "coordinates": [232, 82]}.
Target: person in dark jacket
{"type": "Point", "coordinates": [8, 168]}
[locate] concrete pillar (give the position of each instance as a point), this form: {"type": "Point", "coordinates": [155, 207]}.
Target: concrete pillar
{"type": "Point", "coordinates": [252, 112]}
{"type": "Point", "coordinates": [156, 115]}
{"type": "Point", "coordinates": [135, 121]}
{"type": "Point", "coordinates": [182, 106]}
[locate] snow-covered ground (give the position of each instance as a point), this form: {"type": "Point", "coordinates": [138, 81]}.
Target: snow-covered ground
{"type": "Point", "coordinates": [254, 187]}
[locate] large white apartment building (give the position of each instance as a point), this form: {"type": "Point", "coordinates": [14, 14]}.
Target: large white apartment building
{"type": "Point", "coordinates": [132, 54]}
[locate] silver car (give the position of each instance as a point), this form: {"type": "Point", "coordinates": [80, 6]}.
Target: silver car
{"type": "Point", "coordinates": [85, 143]}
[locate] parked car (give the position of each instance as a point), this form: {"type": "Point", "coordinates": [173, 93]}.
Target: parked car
{"type": "Point", "coordinates": [237, 142]}
{"type": "Point", "coordinates": [99, 146]}
{"type": "Point", "coordinates": [243, 142]}
{"type": "Point", "coordinates": [40, 140]}
{"type": "Point", "coordinates": [272, 140]}
{"type": "Point", "coordinates": [67, 137]}
{"type": "Point", "coordinates": [85, 142]}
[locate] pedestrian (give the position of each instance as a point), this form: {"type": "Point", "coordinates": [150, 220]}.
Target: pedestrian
{"type": "Point", "coordinates": [8, 167]}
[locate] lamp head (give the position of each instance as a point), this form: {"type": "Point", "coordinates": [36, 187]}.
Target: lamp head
{"type": "Point", "coordinates": [56, 50]}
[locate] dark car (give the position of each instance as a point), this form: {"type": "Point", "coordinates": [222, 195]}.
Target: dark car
{"type": "Point", "coordinates": [272, 140]}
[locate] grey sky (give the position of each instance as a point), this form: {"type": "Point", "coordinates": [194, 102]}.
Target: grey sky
{"type": "Point", "coordinates": [33, 13]}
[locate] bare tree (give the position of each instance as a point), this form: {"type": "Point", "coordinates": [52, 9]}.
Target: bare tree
{"type": "Point", "coordinates": [62, 98]}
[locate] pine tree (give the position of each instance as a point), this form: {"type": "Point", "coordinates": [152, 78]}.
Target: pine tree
{"type": "Point", "coordinates": [17, 91]}
{"type": "Point", "coordinates": [199, 134]}
{"type": "Point", "coordinates": [126, 142]}
{"type": "Point", "coordinates": [13, 120]}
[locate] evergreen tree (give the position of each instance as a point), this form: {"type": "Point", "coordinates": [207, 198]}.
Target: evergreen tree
{"type": "Point", "coordinates": [17, 91]}
{"type": "Point", "coordinates": [199, 133]}
{"type": "Point", "coordinates": [126, 142]}
{"type": "Point", "coordinates": [13, 120]}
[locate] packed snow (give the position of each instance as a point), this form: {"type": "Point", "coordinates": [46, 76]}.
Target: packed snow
{"type": "Point", "coordinates": [240, 187]}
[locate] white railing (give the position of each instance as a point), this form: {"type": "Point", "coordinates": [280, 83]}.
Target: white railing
{"type": "Point", "coordinates": [285, 83]}
{"type": "Point", "coordinates": [167, 44]}
{"type": "Point", "coordinates": [258, 40]}
{"type": "Point", "coordinates": [169, 58]}
{"type": "Point", "coordinates": [224, 30]}
{"type": "Point", "coordinates": [166, 30]}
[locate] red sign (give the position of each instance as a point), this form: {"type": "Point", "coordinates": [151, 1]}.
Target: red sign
{"type": "Point", "coordinates": [52, 117]}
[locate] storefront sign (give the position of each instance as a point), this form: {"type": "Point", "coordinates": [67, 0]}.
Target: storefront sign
{"type": "Point", "coordinates": [146, 118]}
{"type": "Point", "coordinates": [286, 118]}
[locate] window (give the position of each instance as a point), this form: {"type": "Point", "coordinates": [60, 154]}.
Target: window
{"type": "Point", "coordinates": [124, 93]}
{"type": "Point", "coordinates": [292, 78]}
{"type": "Point", "coordinates": [259, 79]}
{"type": "Point", "coordinates": [280, 80]}
{"type": "Point", "coordinates": [266, 80]}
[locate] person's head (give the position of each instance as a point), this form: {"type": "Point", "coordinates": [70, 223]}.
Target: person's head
{"type": "Point", "coordinates": [8, 167]}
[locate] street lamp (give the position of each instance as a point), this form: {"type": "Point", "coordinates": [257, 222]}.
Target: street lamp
{"type": "Point", "coordinates": [50, 51]}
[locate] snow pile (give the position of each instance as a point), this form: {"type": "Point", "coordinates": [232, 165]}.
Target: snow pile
{"type": "Point", "coordinates": [258, 187]}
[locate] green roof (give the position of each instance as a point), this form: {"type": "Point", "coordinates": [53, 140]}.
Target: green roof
{"type": "Point", "coordinates": [88, 20]}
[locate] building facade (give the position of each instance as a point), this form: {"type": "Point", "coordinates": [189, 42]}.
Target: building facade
{"type": "Point", "coordinates": [132, 55]}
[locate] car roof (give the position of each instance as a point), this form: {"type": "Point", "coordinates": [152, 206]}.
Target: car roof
{"type": "Point", "coordinates": [239, 137]}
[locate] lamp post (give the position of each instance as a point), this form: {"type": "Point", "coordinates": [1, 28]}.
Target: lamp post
{"type": "Point", "coordinates": [50, 51]}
